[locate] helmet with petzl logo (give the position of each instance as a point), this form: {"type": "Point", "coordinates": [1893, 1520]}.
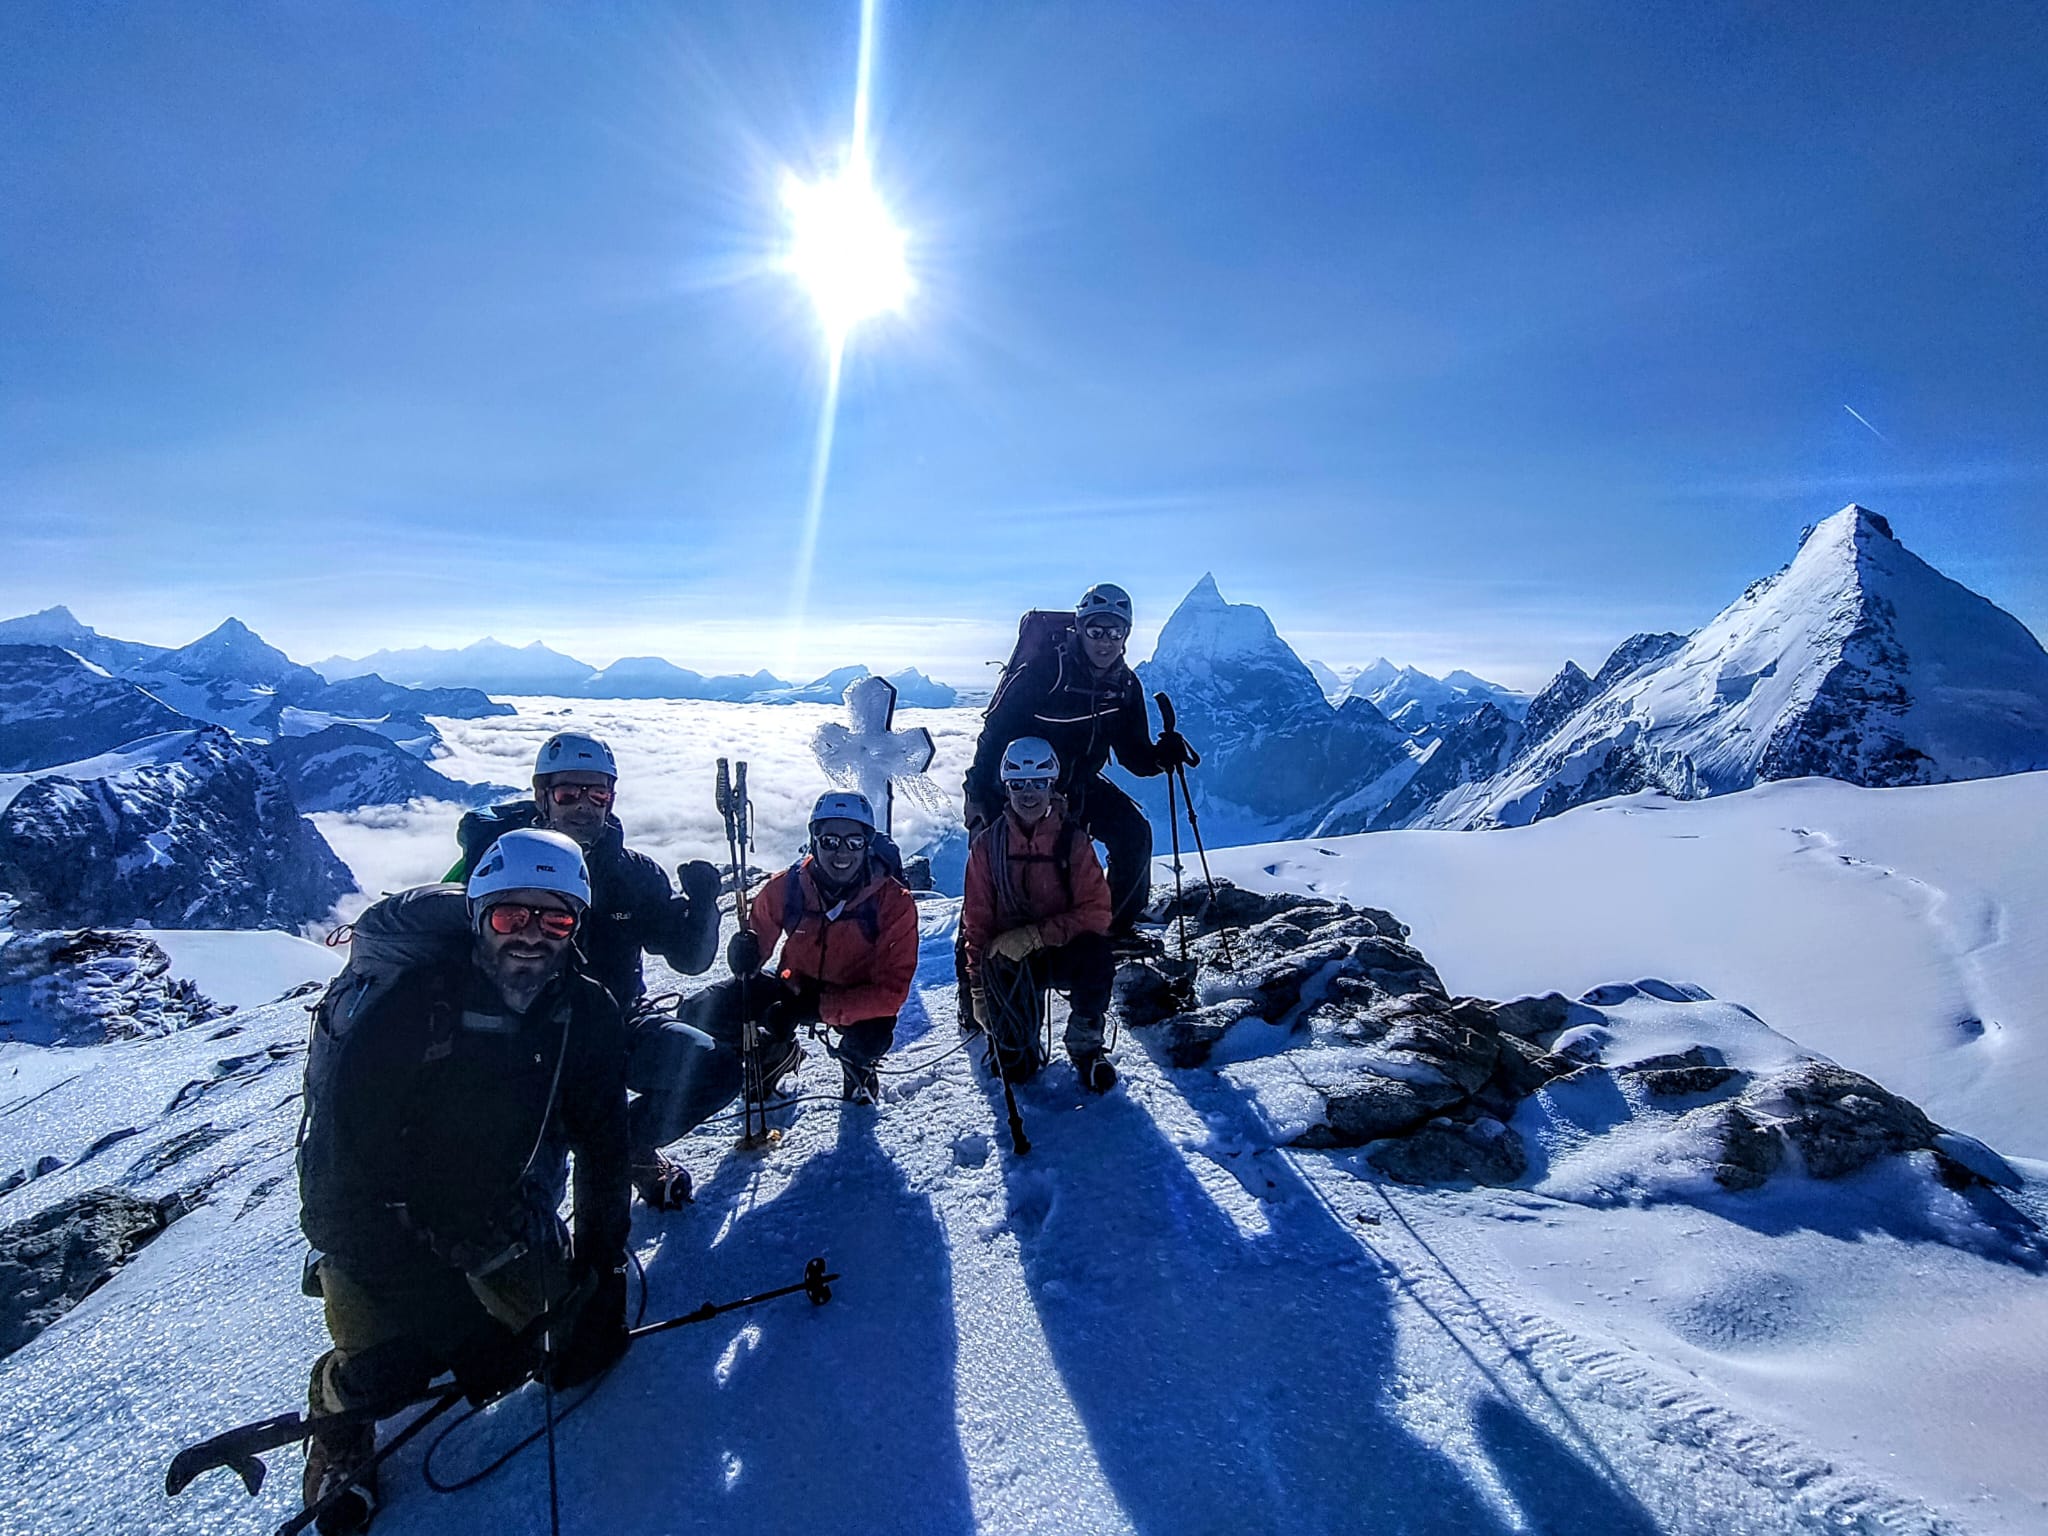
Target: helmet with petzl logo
{"type": "Point", "coordinates": [530, 860]}
{"type": "Point", "coordinates": [1030, 757]}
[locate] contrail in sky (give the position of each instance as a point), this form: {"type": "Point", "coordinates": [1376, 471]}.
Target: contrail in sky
{"type": "Point", "coordinates": [1873, 431]}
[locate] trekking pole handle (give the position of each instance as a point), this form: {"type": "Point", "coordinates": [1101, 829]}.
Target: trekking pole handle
{"type": "Point", "coordinates": [1165, 710]}
{"type": "Point", "coordinates": [723, 794]}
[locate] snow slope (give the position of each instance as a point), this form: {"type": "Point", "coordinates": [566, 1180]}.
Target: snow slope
{"type": "Point", "coordinates": [1151, 1323]}
{"type": "Point", "coordinates": [1902, 932]}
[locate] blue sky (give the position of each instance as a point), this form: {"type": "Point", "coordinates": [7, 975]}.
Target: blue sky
{"type": "Point", "coordinates": [1471, 334]}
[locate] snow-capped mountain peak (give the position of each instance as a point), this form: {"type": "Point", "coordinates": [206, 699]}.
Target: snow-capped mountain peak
{"type": "Point", "coordinates": [1857, 660]}
{"type": "Point", "coordinates": [1205, 626]}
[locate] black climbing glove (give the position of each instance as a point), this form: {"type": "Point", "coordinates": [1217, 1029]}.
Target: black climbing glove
{"type": "Point", "coordinates": [701, 882]}
{"type": "Point", "coordinates": [596, 1336]}
{"type": "Point", "coordinates": [1174, 751]}
{"type": "Point", "coordinates": [491, 1362]}
{"type": "Point", "coordinates": [743, 953]}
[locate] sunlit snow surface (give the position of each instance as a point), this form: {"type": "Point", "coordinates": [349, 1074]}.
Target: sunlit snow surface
{"type": "Point", "coordinates": [1155, 1322]}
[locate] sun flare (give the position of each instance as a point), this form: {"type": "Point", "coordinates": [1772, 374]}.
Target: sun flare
{"type": "Point", "coordinates": [845, 249]}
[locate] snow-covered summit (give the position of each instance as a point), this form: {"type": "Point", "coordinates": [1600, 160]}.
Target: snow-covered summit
{"type": "Point", "coordinates": [1858, 661]}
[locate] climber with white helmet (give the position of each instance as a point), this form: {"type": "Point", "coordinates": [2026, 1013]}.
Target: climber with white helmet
{"type": "Point", "coordinates": [633, 912]}
{"type": "Point", "coordinates": [848, 929]}
{"type": "Point", "coordinates": [441, 1110]}
{"type": "Point", "coordinates": [1068, 684]}
{"type": "Point", "coordinates": [1035, 918]}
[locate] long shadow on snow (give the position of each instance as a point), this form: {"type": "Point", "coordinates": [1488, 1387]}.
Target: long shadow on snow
{"type": "Point", "coordinates": [1240, 1384]}
{"type": "Point", "coordinates": [789, 1417]}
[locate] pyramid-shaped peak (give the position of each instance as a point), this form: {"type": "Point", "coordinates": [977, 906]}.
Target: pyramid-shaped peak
{"type": "Point", "coordinates": [1204, 593]}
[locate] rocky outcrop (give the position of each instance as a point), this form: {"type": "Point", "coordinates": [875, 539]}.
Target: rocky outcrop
{"type": "Point", "coordinates": [90, 985]}
{"type": "Point", "coordinates": [209, 839]}
{"type": "Point", "coordinates": [52, 1261]}
{"type": "Point", "coordinates": [1346, 1034]}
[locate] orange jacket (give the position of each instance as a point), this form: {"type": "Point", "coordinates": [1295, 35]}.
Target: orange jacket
{"type": "Point", "coordinates": [1032, 890]}
{"type": "Point", "coordinates": [862, 966]}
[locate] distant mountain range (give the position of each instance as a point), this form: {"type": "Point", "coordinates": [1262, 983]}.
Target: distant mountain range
{"type": "Point", "coordinates": [1411, 698]}
{"type": "Point", "coordinates": [535, 669]}
{"type": "Point", "coordinates": [1857, 661]}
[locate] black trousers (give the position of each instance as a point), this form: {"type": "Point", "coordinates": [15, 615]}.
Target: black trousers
{"type": "Point", "coordinates": [1114, 820]}
{"type": "Point", "coordinates": [1083, 968]}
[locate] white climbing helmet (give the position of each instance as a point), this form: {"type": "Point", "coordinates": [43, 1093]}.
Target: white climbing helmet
{"type": "Point", "coordinates": [844, 805]}
{"type": "Point", "coordinates": [529, 859]}
{"type": "Point", "coordinates": [571, 752]}
{"type": "Point", "coordinates": [1030, 757]}
{"type": "Point", "coordinates": [1104, 600]}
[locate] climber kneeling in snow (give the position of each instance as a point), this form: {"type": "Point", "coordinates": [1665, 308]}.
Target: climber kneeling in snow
{"type": "Point", "coordinates": [440, 1110]}
{"type": "Point", "coordinates": [575, 786]}
{"type": "Point", "coordinates": [848, 929]}
{"type": "Point", "coordinates": [1035, 918]}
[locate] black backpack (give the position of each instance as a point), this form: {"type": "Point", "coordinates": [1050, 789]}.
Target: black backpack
{"type": "Point", "coordinates": [425, 926]}
{"type": "Point", "coordinates": [1041, 634]}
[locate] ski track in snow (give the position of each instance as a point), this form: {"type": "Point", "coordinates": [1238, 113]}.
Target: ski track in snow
{"type": "Point", "coordinates": [1153, 1322]}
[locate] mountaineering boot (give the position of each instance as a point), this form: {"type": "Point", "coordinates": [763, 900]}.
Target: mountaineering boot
{"type": "Point", "coordinates": [1095, 1071]}
{"type": "Point", "coordinates": [663, 1183]}
{"type": "Point", "coordinates": [779, 1059]}
{"type": "Point", "coordinates": [858, 1085]}
{"type": "Point", "coordinates": [336, 1460]}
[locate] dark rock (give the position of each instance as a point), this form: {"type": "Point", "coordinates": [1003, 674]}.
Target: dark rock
{"type": "Point", "coordinates": [1362, 1105]}
{"type": "Point", "coordinates": [46, 1165]}
{"type": "Point", "coordinates": [917, 872]}
{"type": "Point", "coordinates": [1693, 1071]}
{"type": "Point", "coordinates": [1534, 1017]}
{"type": "Point", "coordinates": [1143, 994]}
{"type": "Point", "coordinates": [1190, 1037]}
{"type": "Point", "coordinates": [1520, 1069]}
{"type": "Point", "coordinates": [13, 1181]}
{"type": "Point", "coordinates": [1465, 1056]}
{"type": "Point", "coordinates": [1393, 966]}
{"type": "Point", "coordinates": [345, 767]}
{"type": "Point", "coordinates": [1483, 1152]}
{"type": "Point", "coordinates": [1750, 1152]}
{"type": "Point", "coordinates": [1233, 906]}
{"type": "Point", "coordinates": [1842, 1121]}
{"type": "Point", "coordinates": [51, 1261]}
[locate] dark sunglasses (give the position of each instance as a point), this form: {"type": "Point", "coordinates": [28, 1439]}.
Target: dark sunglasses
{"type": "Point", "coordinates": [1028, 784]}
{"type": "Point", "coordinates": [569, 794]}
{"type": "Point", "coordinates": [1104, 631]}
{"type": "Point", "coordinates": [832, 842]}
{"type": "Point", "coordinates": [508, 917]}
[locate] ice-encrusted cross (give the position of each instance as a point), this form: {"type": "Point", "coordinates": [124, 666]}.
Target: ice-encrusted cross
{"type": "Point", "coordinates": [871, 754]}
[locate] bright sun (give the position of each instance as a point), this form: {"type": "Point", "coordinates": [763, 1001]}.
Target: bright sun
{"type": "Point", "coordinates": [845, 249]}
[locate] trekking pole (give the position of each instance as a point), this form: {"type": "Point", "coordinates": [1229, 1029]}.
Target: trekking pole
{"type": "Point", "coordinates": [1187, 796]}
{"type": "Point", "coordinates": [1180, 902]}
{"type": "Point", "coordinates": [1019, 1143]}
{"type": "Point", "coordinates": [815, 1284]}
{"type": "Point", "coordinates": [751, 1097]}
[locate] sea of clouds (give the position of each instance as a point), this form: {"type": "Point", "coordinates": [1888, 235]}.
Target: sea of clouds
{"type": "Point", "coordinates": [667, 751]}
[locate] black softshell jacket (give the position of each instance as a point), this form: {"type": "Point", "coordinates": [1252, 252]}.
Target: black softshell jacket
{"type": "Point", "coordinates": [426, 1128]}
{"type": "Point", "coordinates": [1082, 713]}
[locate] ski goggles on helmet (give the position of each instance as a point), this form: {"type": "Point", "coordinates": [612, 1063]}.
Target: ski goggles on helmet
{"type": "Point", "coordinates": [832, 842]}
{"type": "Point", "coordinates": [569, 794]}
{"type": "Point", "coordinates": [509, 917]}
{"type": "Point", "coordinates": [1104, 629]}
